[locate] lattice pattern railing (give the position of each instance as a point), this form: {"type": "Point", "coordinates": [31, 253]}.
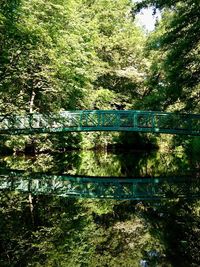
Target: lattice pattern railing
{"type": "Point", "coordinates": [99, 120]}
{"type": "Point", "coordinates": [114, 188]}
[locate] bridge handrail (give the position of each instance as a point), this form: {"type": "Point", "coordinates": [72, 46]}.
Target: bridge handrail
{"type": "Point", "coordinates": [101, 120]}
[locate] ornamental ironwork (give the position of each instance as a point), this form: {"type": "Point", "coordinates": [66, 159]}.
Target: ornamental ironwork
{"type": "Point", "coordinates": [101, 120]}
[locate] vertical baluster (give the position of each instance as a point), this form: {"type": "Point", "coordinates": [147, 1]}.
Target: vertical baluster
{"type": "Point", "coordinates": [189, 124]}
{"type": "Point", "coordinates": [81, 120]}
{"type": "Point", "coordinates": [135, 118]}
{"type": "Point", "coordinates": [103, 119]}
{"type": "Point", "coordinates": [86, 119]}
{"type": "Point", "coordinates": [153, 121]}
{"type": "Point", "coordinates": [116, 120]}
{"type": "Point", "coordinates": [133, 189]}
{"type": "Point", "coordinates": [99, 118]}
{"type": "Point", "coordinates": [30, 120]}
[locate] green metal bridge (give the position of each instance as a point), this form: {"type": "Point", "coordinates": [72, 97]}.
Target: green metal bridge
{"type": "Point", "coordinates": [101, 187]}
{"type": "Point", "coordinates": [101, 120]}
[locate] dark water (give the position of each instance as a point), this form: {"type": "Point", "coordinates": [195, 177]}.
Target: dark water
{"type": "Point", "coordinates": [100, 209]}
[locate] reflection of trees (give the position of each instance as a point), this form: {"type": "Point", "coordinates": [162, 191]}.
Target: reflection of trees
{"type": "Point", "coordinates": [71, 232]}
{"type": "Point", "coordinates": [95, 163]}
{"type": "Point", "coordinates": [177, 224]}
{"type": "Point", "coordinates": [68, 232]}
{"type": "Point", "coordinates": [50, 240]}
{"type": "Point", "coordinates": [154, 164]}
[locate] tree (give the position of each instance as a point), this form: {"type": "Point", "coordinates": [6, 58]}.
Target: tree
{"type": "Point", "coordinates": [174, 49]}
{"type": "Point", "coordinates": [67, 55]}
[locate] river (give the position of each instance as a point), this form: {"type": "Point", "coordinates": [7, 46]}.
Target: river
{"type": "Point", "coordinates": [46, 219]}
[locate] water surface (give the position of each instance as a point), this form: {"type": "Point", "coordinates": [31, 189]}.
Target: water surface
{"type": "Point", "coordinates": [50, 228]}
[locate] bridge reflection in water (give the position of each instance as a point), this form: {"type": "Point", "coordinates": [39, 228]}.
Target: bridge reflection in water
{"type": "Point", "coordinates": [101, 187]}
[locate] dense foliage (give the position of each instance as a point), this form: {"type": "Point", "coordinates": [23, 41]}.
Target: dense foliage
{"type": "Point", "coordinates": [65, 55]}
{"type": "Point", "coordinates": [68, 55]}
{"type": "Point", "coordinates": [174, 51]}
{"type": "Point", "coordinates": [89, 54]}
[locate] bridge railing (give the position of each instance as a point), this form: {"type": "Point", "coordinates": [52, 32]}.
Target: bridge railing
{"type": "Point", "coordinates": [99, 120]}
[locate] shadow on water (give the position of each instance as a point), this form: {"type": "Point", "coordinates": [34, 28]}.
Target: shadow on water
{"type": "Point", "coordinates": [55, 230]}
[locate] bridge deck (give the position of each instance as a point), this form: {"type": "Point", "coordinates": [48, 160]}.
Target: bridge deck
{"type": "Point", "coordinates": [101, 120]}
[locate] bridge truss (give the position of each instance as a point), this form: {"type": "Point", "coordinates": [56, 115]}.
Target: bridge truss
{"type": "Point", "coordinates": [101, 120]}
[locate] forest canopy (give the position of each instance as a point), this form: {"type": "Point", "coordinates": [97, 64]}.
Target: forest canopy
{"type": "Point", "coordinates": [69, 55]}
{"type": "Point", "coordinates": [174, 49]}
{"type": "Point", "coordinates": [60, 55]}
